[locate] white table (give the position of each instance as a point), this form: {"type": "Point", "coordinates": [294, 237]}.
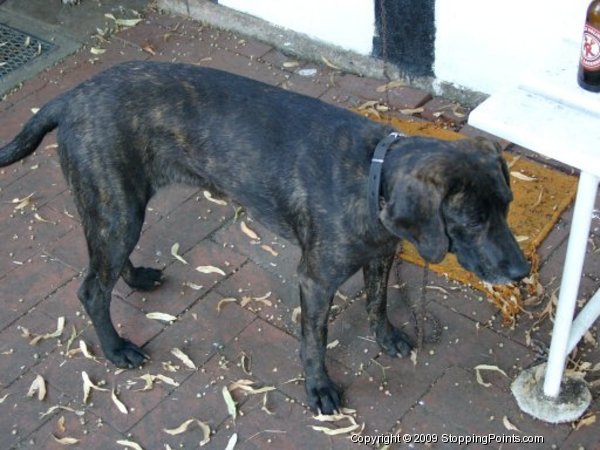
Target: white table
{"type": "Point", "coordinates": [550, 114]}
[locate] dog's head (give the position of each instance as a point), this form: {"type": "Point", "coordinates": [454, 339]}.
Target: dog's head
{"type": "Point", "coordinates": [454, 197]}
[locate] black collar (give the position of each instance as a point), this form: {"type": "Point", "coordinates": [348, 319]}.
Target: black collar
{"type": "Point", "coordinates": [374, 184]}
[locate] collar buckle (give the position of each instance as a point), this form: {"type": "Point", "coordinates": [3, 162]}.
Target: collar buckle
{"type": "Point", "coordinates": [374, 183]}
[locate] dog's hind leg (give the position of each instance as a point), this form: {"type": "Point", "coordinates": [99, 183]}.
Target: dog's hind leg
{"type": "Point", "coordinates": [112, 228]}
{"type": "Point", "coordinates": [391, 340]}
{"type": "Point", "coordinates": [141, 278]}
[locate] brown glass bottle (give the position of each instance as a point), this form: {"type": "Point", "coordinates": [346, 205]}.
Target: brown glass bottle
{"type": "Point", "coordinates": [589, 65]}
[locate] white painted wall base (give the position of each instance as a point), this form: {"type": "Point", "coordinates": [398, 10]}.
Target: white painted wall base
{"type": "Point", "coordinates": [482, 46]}
{"type": "Point", "coordinates": [349, 25]}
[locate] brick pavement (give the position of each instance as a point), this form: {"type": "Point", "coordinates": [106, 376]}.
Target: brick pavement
{"type": "Point", "coordinates": [42, 260]}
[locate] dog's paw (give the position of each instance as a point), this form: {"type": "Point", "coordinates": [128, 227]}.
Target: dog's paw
{"type": "Point", "coordinates": [323, 396]}
{"type": "Point", "coordinates": [143, 278]}
{"type": "Point", "coordinates": [127, 355]}
{"type": "Point", "coordinates": [393, 341]}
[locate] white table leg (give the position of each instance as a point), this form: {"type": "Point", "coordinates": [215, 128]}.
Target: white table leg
{"type": "Point", "coordinates": [578, 237]}
{"type": "Point", "coordinates": [584, 320]}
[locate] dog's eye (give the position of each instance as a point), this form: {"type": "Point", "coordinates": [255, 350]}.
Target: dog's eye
{"type": "Point", "coordinates": [475, 223]}
{"type": "Point", "coordinates": [475, 226]}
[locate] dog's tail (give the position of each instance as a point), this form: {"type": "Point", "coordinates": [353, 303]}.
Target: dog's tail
{"type": "Point", "coordinates": [25, 143]}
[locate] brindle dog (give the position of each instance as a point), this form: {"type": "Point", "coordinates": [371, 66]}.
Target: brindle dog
{"type": "Point", "coordinates": [298, 165]}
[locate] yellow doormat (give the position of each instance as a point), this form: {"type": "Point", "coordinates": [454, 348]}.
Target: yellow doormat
{"type": "Point", "coordinates": [541, 195]}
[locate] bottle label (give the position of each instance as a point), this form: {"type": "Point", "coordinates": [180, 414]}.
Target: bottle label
{"type": "Point", "coordinates": [590, 48]}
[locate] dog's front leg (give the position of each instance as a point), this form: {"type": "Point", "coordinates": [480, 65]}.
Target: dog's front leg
{"type": "Point", "coordinates": [315, 300]}
{"type": "Point", "coordinates": [391, 340]}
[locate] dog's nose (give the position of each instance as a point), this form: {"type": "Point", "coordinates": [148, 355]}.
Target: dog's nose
{"type": "Point", "coordinates": [517, 272]}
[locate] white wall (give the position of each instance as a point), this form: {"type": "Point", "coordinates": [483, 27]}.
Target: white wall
{"type": "Point", "coordinates": [487, 45]}
{"type": "Point", "coordinates": [482, 45]}
{"type": "Point", "coordinates": [349, 24]}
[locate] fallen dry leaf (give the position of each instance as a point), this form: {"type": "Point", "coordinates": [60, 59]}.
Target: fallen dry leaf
{"type": "Point", "coordinates": [344, 415]}
{"type": "Point", "coordinates": [210, 269]}
{"type": "Point", "coordinates": [66, 440]}
{"type": "Point", "coordinates": [208, 196]}
{"type": "Point", "coordinates": [333, 344]}
{"type": "Point", "coordinates": [23, 202]}
{"type": "Point", "coordinates": [149, 48]}
{"type": "Point", "coordinates": [184, 427]}
{"type": "Point", "coordinates": [391, 85]}
{"type": "Point", "coordinates": [149, 382]}
{"type": "Point", "coordinates": [481, 367]}
{"type": "Point", "coordinates": [296, 312]}
{"type": "Point", "coordinates": [231, 405]}
{"type": "Point", "coordinates": [123, 22]}
{"type": "Point", "coordinates": [54, 408]}
{"type": "Point", "coordinates": [248, 232]}
{"type": "Point", "coordinates": [263, 299]}
{"type": "Point", "coordinates": [329, 63]}
{"type": "Point", "coordinates": [367, 105]}
{"type": "Point", "coordinates": [232, 441]}
{"type": "Point", "coordinates": [41, 219]}
{"type": "Point", "coordinates": [193, 286]}
{"type": "Point", "coordinates": [586, 421]}
{"type": "Point", "coordinates": [411, 111]}
{"type": "Point", "coordinates": [336, 431]}
{"type": "Point", "coordinates": [120, 405]}
{"type": "Point", "coordinates": [70, 341]}
{"type": "Point", "coordinates": [175, 253]}
{"type": "Point", "coordinates": [246, 385]}
{"type": "Point", "coordinates": [522, 177]}
{"type": "Point", "coordinates": [88, 386]}
{"type": "Point", "coordinates": [414, 357]}
{"type": "Point", "coordinates": [508, 425]}
{"type": "Point", "coordinates": [84, 349]}
{"type": "Point", "coordinates": [167, 380]}
{"type": "Point", "coordinates": [60, 326]}
{"type": "Point", "coordinates": [38, 386]}
{"type": "Point", "coordinates": [224, 301]}
{"type": "Point", "coordinates": [150, 379]}
{"type": "Point", "coordinates": [60, 425]}
{"type": "Point", "coordinates": [185, 359]}
{"type": "Point", "coordinates": [269, 249]}
{"type": "Point", "coordinates": [180, 429]}
{"type": "Point", "coordinates": [264, 405]}
{"type": "Point", "coordinates": [131, 444]}
{"type": "Point", "coordinates": [161, 316]}
{"type": "Point", "coordinates": [245, 364]}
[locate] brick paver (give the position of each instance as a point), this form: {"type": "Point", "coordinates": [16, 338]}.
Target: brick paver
{"type": "Point", "coordinates": [254, 337]}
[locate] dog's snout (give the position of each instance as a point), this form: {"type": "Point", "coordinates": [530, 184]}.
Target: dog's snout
{"type": "Point", "coordinates": [519, 270]}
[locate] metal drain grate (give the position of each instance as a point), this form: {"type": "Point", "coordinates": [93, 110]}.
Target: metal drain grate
{"type": "Point", "coordinates": [18, 48]}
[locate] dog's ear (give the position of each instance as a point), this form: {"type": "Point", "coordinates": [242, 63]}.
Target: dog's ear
{"type": "Point", "coordinates": [494, 148]}
{"type": "Point", "coordinates": [413, 212]}
{"type": "Point", "coordinates": [489, 145]}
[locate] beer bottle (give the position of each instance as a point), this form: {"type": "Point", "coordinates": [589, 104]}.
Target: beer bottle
{"type": "Point", "coordinates": [589, 65]}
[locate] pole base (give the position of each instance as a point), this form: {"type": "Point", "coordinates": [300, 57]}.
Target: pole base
{"type": "Point", "coordinates": [572, 401]}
